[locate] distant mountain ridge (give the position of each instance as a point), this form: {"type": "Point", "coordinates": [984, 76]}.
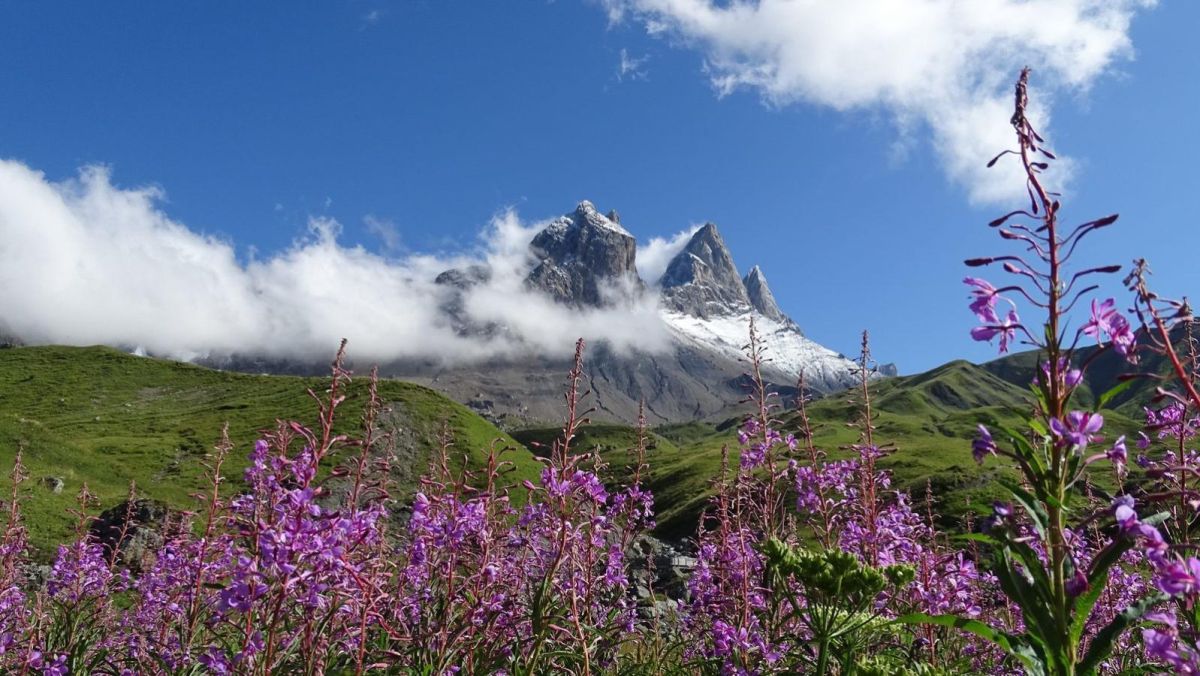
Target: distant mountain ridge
{"type": "Point", "coordinates": [691, 366]}
{"type": "Point", "coordinates": [586, 259]}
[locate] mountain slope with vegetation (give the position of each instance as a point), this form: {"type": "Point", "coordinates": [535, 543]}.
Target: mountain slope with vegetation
{"type": "Point", "coordinates": [104, 417]}
{"type": "Point", "coordinates": [928, 419]}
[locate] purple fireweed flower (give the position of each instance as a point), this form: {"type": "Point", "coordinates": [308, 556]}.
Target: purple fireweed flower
{"type": "Point", "coordinates": [1079, 430]}
{"type": "Point", "coordinates": [983, 445]}
{"type": "Point", "coordinates": [1169, 422]}
{"type": "Point", "coordinates": [748, 430]}
{"type": "Point", "coordinates": [1070, 377]}
{"type": "Point", "coordinates": [1118, 454]}
{"type": "Point", "coordinates": [1178, 578]}
{"type": "Point", "coordinates": [1106, 319]}
{"type": "Point", "coordinates": [1077, 584]}
{"type": "Point", "coordinates": [984, 299]}
{"type": "Point", "coordinates": [1006, 329]}
{"type": "Point", "coordinates": [1124, 513]}
{"type": "Point", "coordinates": [1074, 377]}
{"type": "Point", "coordinates": [1166, 645]}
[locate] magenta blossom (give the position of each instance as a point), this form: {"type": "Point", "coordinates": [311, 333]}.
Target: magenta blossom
{"type": "Point", "coordinates": [1080, 428]}
{"type": "Point", "coordinates": [984, 298]}
{"type": "Point", "coordinates": [983, 445]}
{"type": "Point", "coordinates": [1106, 320]}
{"type": "Point", "coordinates": [1006, 329]}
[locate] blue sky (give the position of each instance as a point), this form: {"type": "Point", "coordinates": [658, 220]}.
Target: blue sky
{"type": "Point", "coordinates": [433, 117]}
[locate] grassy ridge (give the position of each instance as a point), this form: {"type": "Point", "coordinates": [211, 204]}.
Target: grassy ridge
{"type": "Point", "coordinates": [104, 417]}
{"type": "Point", "coordinates": [929, 418]}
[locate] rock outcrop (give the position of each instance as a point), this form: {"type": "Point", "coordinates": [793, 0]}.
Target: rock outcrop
{"type": "Point", "coordinates": [585, 259]}
{"type": "Point", "coordinates": [702, 280]}
{"type": "Point", "coordinates": [761, 298]}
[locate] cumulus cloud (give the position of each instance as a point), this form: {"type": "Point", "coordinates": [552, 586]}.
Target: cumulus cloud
{"type": "Point", "coordinates": [942, 65]}
{"type": "Point", "coordinates": [654, 256]}
{"type": "Point", "coordinates": [86, 262]}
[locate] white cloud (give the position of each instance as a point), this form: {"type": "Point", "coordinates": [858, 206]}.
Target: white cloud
{"type": "Point", "coordinates": [370, 18]}
{"type": "Point", "coordinates": [85, 262]}
{"type": "Point", "coordinates": [654, 256]}
{"type": "Point", "coordinates": [945, 64]}
{"type": "Point", "coordinates": [386, 231]}
{"type": "Point", "coordinates": [631, 67]}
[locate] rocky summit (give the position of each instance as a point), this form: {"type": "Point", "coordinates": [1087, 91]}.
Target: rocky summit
{"type": "Point", "coordinates": [586, 259]}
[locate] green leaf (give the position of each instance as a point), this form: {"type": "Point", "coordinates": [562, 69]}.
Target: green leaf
{"type": "Point", "coordinates": [1020, 588]}
{"type": "Point", "coordinates": [1086, 601]}
{"type": "Point", "coordinates": [1032, 505]}
{"type": "Point", "coordinates": [1025, 450]}
{"type": "Point", "coordinates": [1037, 426]}
{"type": "Point", "coordinates": [1108, 396]}
{"type": "Point", "coordinates": [1010, 643]}
{"type": "Point", "coordinates": [1102, 644]}
{"type": "Point", "coordinates": [977, 537]}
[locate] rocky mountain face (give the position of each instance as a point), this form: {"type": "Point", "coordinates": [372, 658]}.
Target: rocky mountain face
{"type": "Point", "coordinates": [761, 298]}
{"type": "Point", "coordinates": [701, 280]}
{"type": "Point", "coordinates": [585, 259]}
{"type": "Point", "coordinates": [588, 260]}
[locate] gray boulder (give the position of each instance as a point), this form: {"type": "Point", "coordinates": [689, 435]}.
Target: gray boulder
{"type": "Point", "coordinates": [136, 528]}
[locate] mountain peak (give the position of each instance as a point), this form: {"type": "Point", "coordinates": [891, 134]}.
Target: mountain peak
{"type": "Point", "coordinates": [587, 215]}
{"type": "Point", "coordinates": [702, 280]}
{"type": "Point", "coordinates": [760, 295]}
{"type": "Point", "coordinates": [585, 258]}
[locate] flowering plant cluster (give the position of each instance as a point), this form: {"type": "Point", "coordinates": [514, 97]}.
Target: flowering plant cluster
{"type": "Point", "coordinates": [803, 563]}
{"type": "Point", "coordinates": [1081, 571]}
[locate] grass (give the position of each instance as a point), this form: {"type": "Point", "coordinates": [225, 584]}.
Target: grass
{"type": "Point", "coordinates": [929, 419]}
{"type": "Point", "coordinates": [104, 417]}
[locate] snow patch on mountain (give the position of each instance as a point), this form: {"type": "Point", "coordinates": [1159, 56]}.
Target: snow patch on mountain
{"type": "Point", "coordinates": [787, 350]}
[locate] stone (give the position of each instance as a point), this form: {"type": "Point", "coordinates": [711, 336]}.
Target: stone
{"type": "Point", "coordinates": [144, 522]}
{"type": "Point", "coordinates": [760, 295]}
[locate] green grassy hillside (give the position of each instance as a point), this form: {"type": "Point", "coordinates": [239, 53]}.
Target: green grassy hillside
{"type": "Point", "coordinates": [104, 417]}
{"type": "Point", "coordinates": [929, 418]}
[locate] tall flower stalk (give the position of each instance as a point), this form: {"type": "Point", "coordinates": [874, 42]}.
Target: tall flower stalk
{"type": "Point", "coordinates": [1051, 573]}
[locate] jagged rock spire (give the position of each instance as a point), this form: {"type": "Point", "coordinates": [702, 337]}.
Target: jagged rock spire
{"type": "Point", "coordinates": [701, 280]}
{"type": "Point", "coordinates": [761, 298]}
{"type": "Point", "coordinates": [585, 258]}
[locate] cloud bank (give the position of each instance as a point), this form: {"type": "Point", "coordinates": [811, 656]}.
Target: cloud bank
{"type": "Point", "coordinates": [85, 262]}
{"type": "Point", "coordinates": [942, 65]}
{"type": "Point", "coordinates": [654, 256]}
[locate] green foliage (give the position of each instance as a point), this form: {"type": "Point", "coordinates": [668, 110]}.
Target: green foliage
{"type": "Point", "coordinates": [103, 417]}
{"type": "Point", "coordinates": [837, 606]}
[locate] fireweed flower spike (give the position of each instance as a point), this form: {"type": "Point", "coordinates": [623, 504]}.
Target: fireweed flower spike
{"type": "Point", "coordinates": [1060, 578]}
{"type": "Point", "coordinates": [983, 445]}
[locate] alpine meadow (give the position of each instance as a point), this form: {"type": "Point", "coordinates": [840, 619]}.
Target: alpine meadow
{"type": "Point", "coordinates": [326, 429]}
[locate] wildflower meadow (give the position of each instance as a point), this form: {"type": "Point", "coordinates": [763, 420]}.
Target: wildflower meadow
{"type": "Point", "coordinates": [802, 563]}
